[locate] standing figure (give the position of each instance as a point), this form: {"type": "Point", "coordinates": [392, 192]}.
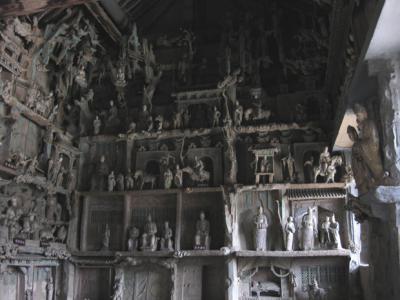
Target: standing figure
{"type": "Point", "coordinates": [290, 230]}
{"type": "Point", "coordinates": [120, 182]}
{"type": "Point", "coordinates": [334, 231]}
{"type": "Point", "coordinates": [238, 114]}
{"type": "Point", "coordinates": [324, 160]}
{"type": "Point", "coordinates": [288, 166]}
{"type": "Point", "coordinates": [216, 117]}
{"type": "Point", "coordinates": [315, 292]}
{"type": "Point", "coordinates": [325, 232]}
{"type": "Point", "coordinates": [178, 177]}
{"type": "Point", "coordinates": [133, 239]}
{"type": "Point", "coordinates": [186, 118]}
{"type": "Point", "coordinates": [111, 182]}
{"type": "Point", "coordinates": [96, 125]}
{"type": "Point", "coordinates": [101, 175]}
{"type": "Point", "coordinates": [105, 243]}
{"type": "Point", "coordinates": [168, 178]}
{"type": "Point", "coordinates": [129, 182]}
{"type": "Point", "coordinates": [309, 230]}
{"type": "Point", "coordinates": [260, 233]}
{"type": "Point", "coordinates": [166, 240]}
{"type": "Point", "coordinates": [117, 290]}
{"type": "Point", "coordinates": [202, 238]}
{"type": "Point", "coordinates": [49, 288]}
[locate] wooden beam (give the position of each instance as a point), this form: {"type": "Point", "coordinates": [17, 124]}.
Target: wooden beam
{"type": "Point", "coordinates": [27, 7]}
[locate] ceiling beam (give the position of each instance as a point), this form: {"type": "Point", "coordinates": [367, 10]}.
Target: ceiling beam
{"type": "Point", "coordinates": [27, 7]}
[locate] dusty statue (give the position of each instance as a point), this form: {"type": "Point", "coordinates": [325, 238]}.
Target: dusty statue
{"type": "Point", "coordinates": [202, 238]}
{"type": "Point", "coordinates": [308, 230]}
{"type": "Point", "coordinates": [260, 230]}
{"type": "Point", "coordinates": [133, 239]}
{"type": "Point", "coordinates": [105, 243]}
{"type": "Point", "coordinates": [290, 230]}
{"type": "Point", "coordinates": [149, 239]}
{"type": "Point", "coordinates": [334, 232]}
{"type": "Point", "coordinates": [325, 236]}
{"type": "Point", "coordinates": [166, 242]}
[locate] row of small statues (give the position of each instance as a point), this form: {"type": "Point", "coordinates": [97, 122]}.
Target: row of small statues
{"type": "Point", "coordinates": [329, 232]}
{"type": "Point", "coordinates": [149, 241]}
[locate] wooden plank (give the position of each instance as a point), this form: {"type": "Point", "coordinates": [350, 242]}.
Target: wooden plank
{"type": "Point", "coordinates": [27, 7]}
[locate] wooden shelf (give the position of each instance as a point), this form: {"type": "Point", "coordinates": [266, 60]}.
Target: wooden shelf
{"type": "Point", "coordinates": [295, 254]}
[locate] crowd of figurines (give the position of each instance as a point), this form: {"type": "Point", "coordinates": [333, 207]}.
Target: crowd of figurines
{"type": "Point", "coordinates": [327, 233]}
{"type": "Point", "coordinates": [150, 241]}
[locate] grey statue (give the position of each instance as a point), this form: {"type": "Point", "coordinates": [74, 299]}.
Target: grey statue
{"type": "Point", "coordinates": [101, 174]}
{"type": "Point", "coordinates": [120, 182]}
{"type": "Point", "coordinates": [260, 230]}
{"type": "Point", "coordinates": [133, 239]}
{"type": "Point", "coordinates": [129, 182]}
{"type": "Point", "coordinates": [315, 292]}
{"type": "Point", "coordinates": [49, 288]}
{"type": "Point", "coordinates": [334, 231]}
{"type": "Point", "coordinates": [111, 182]}
{"type": "Point", "coordinates": [202, 238]}
{"type": "Point", "coordinates": [178, 177]}
{"type": "Point", "coordinates": [168, 178]}
{"type": "Point", "coordinates": [166, 240]}
{"type": "Point", "coordinates": [96, 125]}
{"type": "Point", "coordinates": [309, 230]}
{"type": "Point", "coordinates": [216, 117]}
{"type": "Point", "coordinates": [290, 230]}
{"type": "Point", "coordinates": [325, 236]}
{"type": "Point", "coordinates": [105, 243]}
{"type": "Point", "coordinates": [238, 114]}
{"type": "Point", "coordinates": [117, 290]}
{"type": "Point", "coordinates": [149, 239]}
{"type": "Point", "coordinates": [288, 166]}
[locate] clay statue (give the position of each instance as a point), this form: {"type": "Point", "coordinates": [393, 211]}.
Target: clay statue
{"type": "Point", "coordinates": [168, 178]}
{"type": "Point", "coordinates": [334, 232]}
{"type": "Point", "coordinates": [129, 182]}
{"type": "Point", "coordinates": [120, 182]}
{"type": "Point", "coordinates": [12, 217]}
{"type": "Point", "coordinates": [325, 236]}
{"type": "Point", "coordinates": [101, 175]}
{"type": "Point", "coordinates": [288, 166]}
{"type": "Point", "coordinates": [105, 243]}
{"type": "Point", "coordinates": [149, 239]}
{"type": "Point", "coordinates": [111, 182]}
{"type": "Point", "coordinates": [166, 240]}
{"type": "Point", "coordinates": [178, 177]}
{"type": "Point", "coordinates": [315, 292]}
{"type": "Point", "coordinates": [308, 230]}
{"type": "Point", "coordinates": [118, 290]}
{"type": "Point", "coordinates": [133, 242]}
{"type": "Point", "coordinates": [238, 114]}
{"type": "Point", "coordinates": [290, 230]}
{"type": "Point", "coordinates": [197, 174]}
{"type": "Point", "coordinates": [96, 125]}
{"type": "Point", "coordinates": [260, 230]}
{"type": "Point", "coordinates": [216, 117]}
{"type": "Point", "coordinates": [49, 288]}
{"type": "Point", "coordinates": [142, 178]}
{"type": "Point", "coordinates": [202, 238]}
{"type": "Point", "coordinates": [53, 209]}
{"type": "Point", "coordinates": [327, 166]}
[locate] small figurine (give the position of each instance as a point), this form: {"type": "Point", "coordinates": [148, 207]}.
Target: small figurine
{"type": "Point", "coordinates": [149, 239]}
{"type": "Point", "coordinates": [111, 182]}
{"type": "Point", "coordinates": [202, 238]}
{"type": "Point", "coordinates": [159, 120]}
{"type": "Point", "coordinates": [129, 182]}
{"type": "Point", "coordinates": [117, 290]}
{"type": "Point", "coordinates": [288, 166]}
{"type": "Point", "coordinates": [315, 292]}
{"type": "Point", "coordinates": [290, 230]}
{"type": "Point", "coordinates": [334, 231]}
{"type": "Point", "coordinates": [166, 240]}
{"type": "Point", "coordinates": [309, 230]}
{"type": "Point", "coordinates": [260, 233]}
{"type": "Point", "coordinates": [120, 182]}
{"type": "Point", "coordinates": [216, 117]}
{"type": "Point", "coordinates": [105, 243]}
{"type": "Point", "coordinates": [238, 114]}
{"type": "Point", "coordinates": [49, 288]}
{"type": "Point", "coordinates": [96, 125]}
{"type": "Point", "coordinates": [178, 177]}
{"type": "Point", "coordinates": [133, 239]}
{"type": "Point", "coordinates": [325, 232]}
{"type": "Point", "coordinates": [168, 178]}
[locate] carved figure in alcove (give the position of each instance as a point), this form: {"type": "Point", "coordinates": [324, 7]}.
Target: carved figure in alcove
{"type": "Point", "coordinates": [178, 176]}
{"type": "Point", "coordinates": [159, 120]}
{"type": "Point", "coordinates": [101, 175]}
{"type": "Point", "coordinates": [149, 239]}
{"type": "Point", "coordinates": [309, 170]}
{"type": "Point", "coordinates": [35, 226]}
{"type": "Point", "coordinates": [288, 166]}
{"type": "Point", "coordinates": [120, 182]}
{"type": "Point", "coordinates": [53, 209]}
{"type": "Point", "coordinates": [60, 177]}
{"type": "Point", "coordinates": [290, 230]}
{"type": "Point", "coordinates": [238, 114]}
{"type": "Point", "coordinates": [334, 232]}
{"type": "Point", "coordinates": [309, 230]}
{"type": "Point", "coordinates": [111, 183]}
{"type": "Point", "coordinates": [324, 160]}
{"type": "Point", "coordinates": [61, 234]}
{"type": "Point", "coordinates": [325, 232]}
{"type": "Point", "coordinates": [25, 232]}
{"type": "Point", "coordinates": [105, 243]}
{"type": "Point", "coordinates": [49, 288]}
{"type": "Point", "coordinates": [96, 125]}
{"type": "Point", "coordinates": [80, 77]}
{"type": "Point", "coordinates": [202, 238]}
{"type": "Point", "coordinates": [198, 174]}
{"type": "Point", "coordinates": [113, 119]}
{"type": "Point", "coordinates": [186, 118]}
{"type": "Point", "coordinates": [133, 237]}
{"type": "Point", "coordinates": [260, 230]}
{"type": "Point", "coordinates": [168, 178]}
{"type": "Point", "coordinates": [315, 292]}
{"type": "Point", "coordinates": [177, 121]}
{"type": "Point", "coordinates": [216, 117]}
{"type": "Point", "coordinates": [118, 289]}
{"type": "Point", "coordinates": [129, 182]}
{"type": "Point", "coordinates": [166, 240]}
{"type": "Point", "coordinates": [54, 169]}
{"type": "Point", "coordinates": [327, 166]}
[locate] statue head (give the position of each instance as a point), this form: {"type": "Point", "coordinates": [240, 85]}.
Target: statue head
{"type": "Point", "coordinates": [149, 218]}
{"type": "Point", "coordinates": [326, 149]}
{"type": "Point", "coordinates": [352, 133]}
{"type": "Point", "coordinates": [260, 210]}
{"type": "Point", "coordinates": [202, 215]}
{"type": "Point", "coordinates": [290, 219]}
{"type": "Point", "coordinates": [315, 284]}
{"type": "Point", "coordinates": [327, 219]}
{"type": "Point", "coordinates": [361, 112]}
{"type": "Point", "coordinates": [333, 218]}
